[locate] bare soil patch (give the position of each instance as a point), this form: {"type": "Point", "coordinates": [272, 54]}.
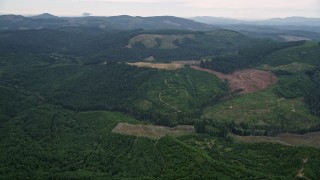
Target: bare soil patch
{"type": "Point", "coordinates": [309, 139]}
{"type": "Point", "coordinates": [247, 80]}
{"type": "Point", "coordinates": [152, 131]}
{"type": "Point", "coordinates": [294, 38]}
{"type": "Point", "coordinates": [301, 171]}
{"type": "Point", "coordinates": [166, 66]}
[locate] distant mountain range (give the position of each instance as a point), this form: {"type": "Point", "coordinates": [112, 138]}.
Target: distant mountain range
{"type": "Point", "coordinates": [14, 22]}
{"type": "Point", "coordinates": [299, 28]}
{"type": "Point", "coordinates": [288, 21]}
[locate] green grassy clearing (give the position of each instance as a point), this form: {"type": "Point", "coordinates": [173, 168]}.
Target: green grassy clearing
{"type": "Point", "coordinates": [263, 111]}
{"type": "Point", "coordinates": [294, 67]}
{"type": "Point", "coordinates": [308, 53]}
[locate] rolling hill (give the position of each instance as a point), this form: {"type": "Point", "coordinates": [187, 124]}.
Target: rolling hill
{"type": "Point", "coordinates": [124, 22]}
{"type": "Point", "coordinates": [97, 45]}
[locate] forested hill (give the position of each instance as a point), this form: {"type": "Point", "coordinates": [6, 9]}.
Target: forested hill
{"type": "Point", "coordinates": [124, 22]}
{"type": "Point", "coordinates": [96, 45]}
{"type": "Point", "coordinates": [230, 49]}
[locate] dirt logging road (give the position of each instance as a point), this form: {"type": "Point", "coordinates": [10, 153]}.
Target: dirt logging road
{"type": "Point", "coordinates": [247, 80]}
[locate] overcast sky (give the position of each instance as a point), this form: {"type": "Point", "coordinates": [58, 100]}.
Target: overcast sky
{"type": "Point", "coordinates": [240, 9]}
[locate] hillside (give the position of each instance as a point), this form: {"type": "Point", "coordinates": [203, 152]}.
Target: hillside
{"type": "Point", "coordinates": [95, 45]}
{"type": "Point", "coordinates": [289, 106]}
{"type": "Point", "coordinates": [263, 113]}
{"type": "Point", "coordinates": [305, 53]}
{"type": "Point", "coordinates": [160, 41]}
{"type": "Point", "coordinates": [278, 33]}
{"type": "Point", "coordinates": [154, 95]}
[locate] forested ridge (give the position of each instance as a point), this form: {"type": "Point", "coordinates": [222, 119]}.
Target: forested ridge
{"type": "Point", "coordinates": [91, 45]}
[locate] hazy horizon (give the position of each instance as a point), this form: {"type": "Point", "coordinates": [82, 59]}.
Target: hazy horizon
{"type": "Point", "coordinates": [236, 9]}
{"type": "Point", "coordinates": [222, 17]}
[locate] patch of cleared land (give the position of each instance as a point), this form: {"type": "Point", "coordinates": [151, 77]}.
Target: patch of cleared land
{"type": "Point", "coordinates": [187, 62]}
{"type": "Point", "coordinates": [248, 80]}
{"type": "Point", "coordinates": [160, 41]}
{"type": "Point", "coordinates": [309, 139]}
{"type": "Point", "coordinates": [166, 66]}
{"type": "Point", "coordinates": [259, 111]}
{"type": "Point", "coordinates": [149, 59]}
{"type": "Point", "coordinates": [152, 131]}
{"type": "Point", "coordinates": [293, 67]}
{"type": "Point", "coordinates": [294, 38]}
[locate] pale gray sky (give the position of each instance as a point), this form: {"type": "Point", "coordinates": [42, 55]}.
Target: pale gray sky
{"type": "Point", "coordinates": [240, 9]}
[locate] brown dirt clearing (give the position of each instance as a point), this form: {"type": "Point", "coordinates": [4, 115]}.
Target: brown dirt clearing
{"type": "Point", "coordinates": [152, 131]}
{"type": "Point", "coordinates": [249, 80]}
{"type": "Point", "coordinates": [294, 38]}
